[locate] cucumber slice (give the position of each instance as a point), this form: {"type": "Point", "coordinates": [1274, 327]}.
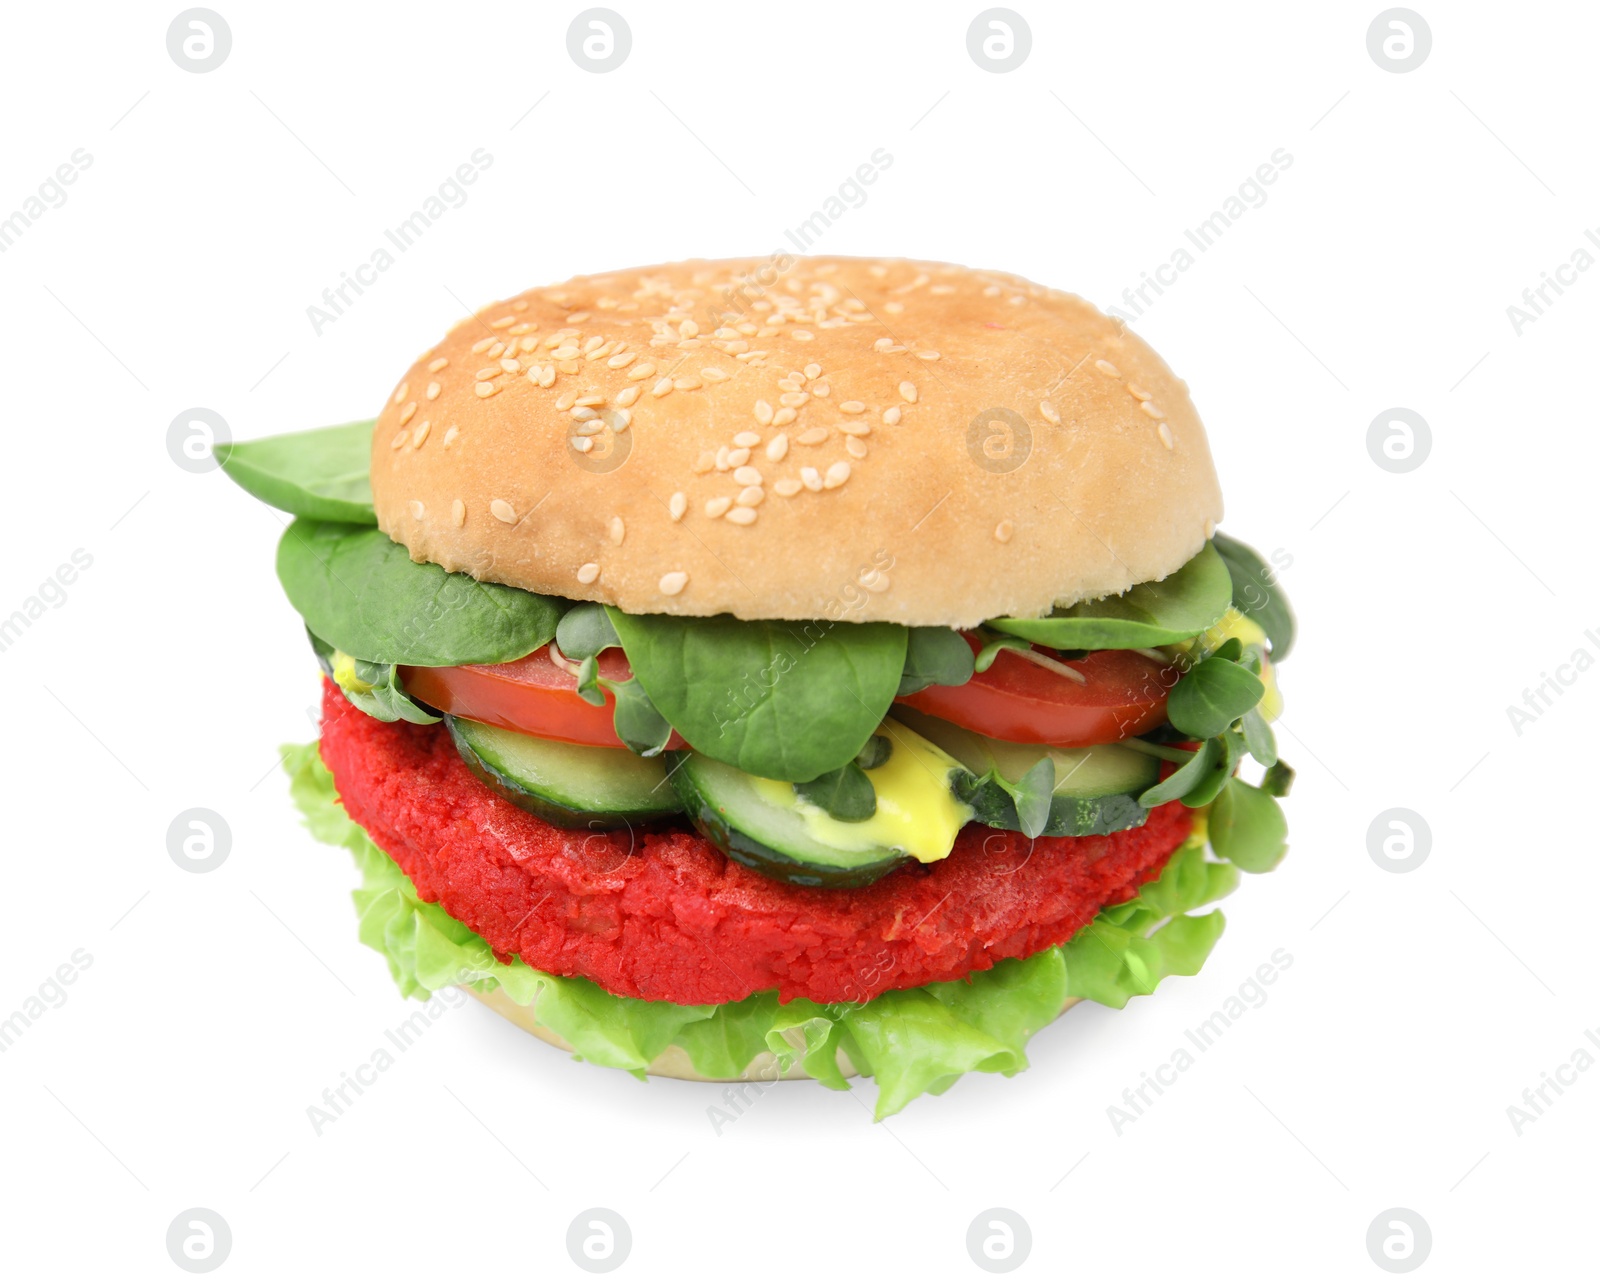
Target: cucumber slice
{"type": "Point", "coordinates": [1097, 789]}
{"type": "Point", "coordinates": [742, 815]}
{"type": "Point", "coordinates": [574, 786]}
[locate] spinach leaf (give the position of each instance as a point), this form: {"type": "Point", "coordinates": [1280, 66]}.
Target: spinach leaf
{"type": "Point", "coordinates": [321, 474]}
{"type": "Point", "coordinates": [845, 794]}
{"type": "Point", "coordinates": [373, 688]}
{"type": "Point", "coordinates": [1256, 592]}
{"type": "Point", "coordinates": [935, 657]}
{"type": "Point", "coordinates": [1184, 778]}
{"type": "Point", "coordinates": [1160, 612]}
{"type": "Point", "coordinates": [1212, 696]}
{"type": "Point", "coordinates": [1247, 828]}
{"type": "Point", "coordinates": [363, 593]}
{"type": "Point", "coordinates": [585, 631]}
{"type": "Point", "coordinates": [784, 700]}
{"type": "Point", "coordinates": [637, 722]}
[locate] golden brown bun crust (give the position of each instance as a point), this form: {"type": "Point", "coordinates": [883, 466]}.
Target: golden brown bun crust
{"type": "Point", "coordinates": [883, 485]}
{"type": "Point", "coordinates": [674, 1061]}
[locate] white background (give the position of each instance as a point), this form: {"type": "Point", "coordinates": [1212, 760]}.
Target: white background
{"type": "Point", "coordinates": [218, 1007]}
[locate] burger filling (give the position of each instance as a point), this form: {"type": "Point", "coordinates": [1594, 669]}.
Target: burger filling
{"type": "Point", "coordinates": [913, 845]}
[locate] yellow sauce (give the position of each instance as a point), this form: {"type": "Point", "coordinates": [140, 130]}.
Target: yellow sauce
{"type": "Point", "coordinates": [917, 813]}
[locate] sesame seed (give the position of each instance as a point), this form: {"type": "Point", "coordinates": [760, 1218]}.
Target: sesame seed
{"type": "Point", "coordinates": [627, 397]}
{"type": "Point", "coordinates": [593, 344]}
{"type": "Point", "coordinates": [547, 376]}
{"type": "Point", "coordinates": [794, 399]}
{"type": "Point", "coordinates": [451, 433]}
{"type": "Point", "coordinates": [482, 346]}
{"type": "Point", "coordinates": [873, 581]}
{"type": "Point", "coordinates": [677, 505]}
{"type": "Point", "coordinates": [791, 384]}
{"type": "Point", "coordinates": [400, 393]}
{"type": "Point", "coordinates": [763, 412]}
{"type": "Point", "coordinates": [527, 344]}
{"type": "Point", "coordinates": [747, 476]}
{"type": "Point", "coordinates": [458, 512]}
{"type": "Point", "coordinates": [711, 374]}
{"type": "Point", "coordinates": [620, 419]}
{"type": "Point", "coordinates": [837, 475]}
{"type": "Point", "coordinates": [688, 330]}
{"type": "Point", "coordinates": [927, 356]}
{"type": "Point", "coordinates": [1135, 390]}
{"type": "Point", "coordinates": [778, 447]}
{"type": "Point", "coordinates": [813, 371]}
{"type": "Point", "coordinates": [909, 391]}
{"type": "Point", "coordinates": [588, 572]}
{"type": "Point", "coordinates": [577, 318]}
{"type": "Point", "coordinates": [566, 400]}
{"type": "Point", "coordinates": [1166, 434]}
{"type": "Point", "coordinates": [747, 438]}
{"type": "Point", "coordinates": [590, 400]}
{"type": "Point", "coordinates": [1105, 367]}
{"type": "Point", "coordinates": [891, 416]}
{"type": "Point", "coordinates": [788, 487]}
{"type": "Point", "coordinates": [502, 322]}
{"type": "Point", "coordinates": [750, 496]}
{"type": "Point", "coordinates": [811, 478]}
{"type": "Point", "coordinates": [855, 429]}
{"type": "Point", "coordinates": [883, 344]}
{"type": "Point", "coordinates": [1004, 531]}
{"type": "Point", "coordinates": [581, 444]}
{"type": "Point", "coordinates": [510, 364]}
{"type": "Point", "coordinates": [662, 387]}
{"type": "Point", "coordinates": [716, 507]}
{"type": "Point", "coordinates": [742, 516]}
{"type": "Point", "coordinates": [417, 509]}
{"type": "Point", "coordinates": [894, 307]}
{"type": "Point", "coordinates": [804, 336]}
{"type": "Point", "coordinates": [812, 436]}
{"type": "Point", "coordinates": [406, 411]}
{"type": "Point", "coordinates": [435, 366]}
{"type": "Point", "coordinates": [823, 388]}
{"type": "Point", "coordinates": [686, 384]}
{"type": "Point", "coordinates": [1048, 410]}
{"type": "Point", "coordinates": [566, 352]}
{"type": "Point", "coordinates": [738, 458]}
{"type": "Point", "coordinates": [852, 407]}
{"type": "Point", "coordinates": [855, 447]}
{"type": "Point", "coordinates": [616, 530]}
{"type": "Point", "coordinates": [641, 372]}
{"type": "Point", "coordinates": [399, 439]}
{"type": "Point", "coordinates": [673, 582]}
{"type": "Point", "coordinates": [1152, 409]}
{"type": "Point", "coordinates": [503, 511]}
{"type": "Point", "coordinates": [485, 389]}
{"type": "Point", "coordinates": [621, 359]}
{"type": "Point", "coordinates": [582, 413]}
{"type": "Point", "coordinates": [419, 434]}
{"type": "Point", "coordinates": [495, 349]}
{"type": "Point", "coordinates": [488, 372]}
{"type": "Point", "coordinates": [783, 417]}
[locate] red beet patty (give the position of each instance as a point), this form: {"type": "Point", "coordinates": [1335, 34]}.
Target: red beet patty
{"type": "Point", "coordinates": [664, 915]}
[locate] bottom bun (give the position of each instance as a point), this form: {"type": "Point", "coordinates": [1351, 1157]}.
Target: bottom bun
{"type": "Point", "coordinates": [674, 1061]}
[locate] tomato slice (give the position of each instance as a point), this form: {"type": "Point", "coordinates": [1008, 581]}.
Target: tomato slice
{"type": "Point", "coordinates": [1123, 693]}
{"type": "Point", "coordinates": [533, 695]}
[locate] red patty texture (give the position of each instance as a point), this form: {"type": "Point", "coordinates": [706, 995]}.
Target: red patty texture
{"type": "Point", "coordinates": [664, 915]}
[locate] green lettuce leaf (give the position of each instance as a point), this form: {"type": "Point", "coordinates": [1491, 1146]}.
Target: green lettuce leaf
{"type": "Point", "coordinates": [913, 1042]}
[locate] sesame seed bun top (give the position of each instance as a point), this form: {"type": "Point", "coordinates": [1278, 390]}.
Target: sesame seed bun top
{"type": "Point", "coordinates": [851, 439]}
